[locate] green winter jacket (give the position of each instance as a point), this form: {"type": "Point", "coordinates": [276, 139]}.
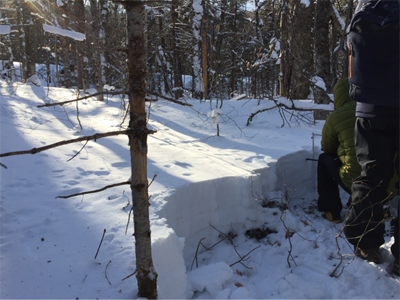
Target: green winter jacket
{"type": "Point", "coordinates": [338, 132]}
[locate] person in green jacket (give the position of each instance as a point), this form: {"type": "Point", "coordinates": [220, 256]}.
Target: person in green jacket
{"type": "Point", "coordinates": [337, 165]}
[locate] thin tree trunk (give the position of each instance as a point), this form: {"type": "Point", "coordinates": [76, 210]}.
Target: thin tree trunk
{"type": "Point", "coordinates": [204, 58]}
{"type": "Point", "coordinates": [103, 41]}
{"type": "Point", "coordinates": [233, 83]}
{"type": "Point", "coordinates": [65, 44]}
{"type": "Point", "coordinates": [350, 10]}
{"type": "Point", "coordinates": [322, 55]}
{"type": "Point", "coordinates": [28, 42]}
{"type": "Point", "coordinates": [301, 48]}
{"type": "Point", "coordinates": [176, 56]}
{"type": "Point", "coordinates": [96, 44]}
{"type": "Point", "coordinates": [285, 69]}
{"type": "Point", "coordinates": [145, 273]}
{"type": "Point", "coordinates": [163, 58]}
{"type": "Point", "coordinates": [197, 69]}
{"type": "Point", "coordinates": [79, 27]}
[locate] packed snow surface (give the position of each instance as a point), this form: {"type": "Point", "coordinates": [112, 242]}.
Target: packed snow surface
{"type": "Point", "coordinates": [233, 216]}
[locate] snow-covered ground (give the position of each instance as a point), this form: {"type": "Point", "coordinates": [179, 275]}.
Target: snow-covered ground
{"type": "Point", "coordinates": [250, 179]}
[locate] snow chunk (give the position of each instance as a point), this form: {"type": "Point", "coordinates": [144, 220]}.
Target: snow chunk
{"type": "Point", "coordinates": [69, 33]}
{"type": "Point", "coordinates": [242, 293]}
{"type": "Point", "coordinates": [34, 79]}
{"type": "Point", "coordinates": [168, 261]}
{"type": "Point", "coordinates": [5, 29]}
{"type": "Point", "coordinates": [318, 81]}
{"type": "Point", "coordinates": [109, 87]}
{"type": "Point", "coordinates": [215, 114]}
{"type": "Point", "coordinates": [238, 97]}
{"type": "Point", "coordinates": [211, 277]}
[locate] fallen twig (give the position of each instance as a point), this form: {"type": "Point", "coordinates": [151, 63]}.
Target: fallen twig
{"type": "Point", "coordinates": [129, 218]}
{"type": "Point", "coordinates": [288, 235]}
{"type": "Point", "coordinates": [106, 272]}
{"type": "Point", "coordinates": [98, 249]}
{"type": "Point", "coordinates": [78, 151]}
{"type": "Point", "coordinates": [195, 256]}
{"type": "Point", "coordinates": [129, 276]}
{"type": "Point", "coordinates": [242, 258]}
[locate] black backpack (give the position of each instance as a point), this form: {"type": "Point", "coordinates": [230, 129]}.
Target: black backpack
{"type": "Point", "coordinates": [373, 40]}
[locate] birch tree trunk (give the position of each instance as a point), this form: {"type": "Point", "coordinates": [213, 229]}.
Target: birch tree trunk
{"type": "Point", "coordinates": [145, 273]}
{"type": "Point", "coordinates": [197, 70]}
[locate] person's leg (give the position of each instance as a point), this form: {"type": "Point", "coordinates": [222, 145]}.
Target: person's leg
{"type": "Point", "coordinates": [395, 247]}
{"type": "Point", "coordinates": [395, 223]}
{"type": "Point", "coordinates": [328, 190]}
{"type": "Point", "coordinates": [375, 153]}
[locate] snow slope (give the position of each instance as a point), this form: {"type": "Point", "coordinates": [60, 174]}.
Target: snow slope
{"type": "Point", "coordinates": [207, 186]}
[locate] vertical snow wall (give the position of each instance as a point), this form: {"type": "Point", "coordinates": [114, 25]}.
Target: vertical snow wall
{"type": "Point", "coordinates": [228, 204]}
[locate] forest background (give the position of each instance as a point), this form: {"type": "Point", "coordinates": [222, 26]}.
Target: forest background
{"type": "Point", "coordinates": [291, 48]}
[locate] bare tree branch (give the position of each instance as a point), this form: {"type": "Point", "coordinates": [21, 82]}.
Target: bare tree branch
{"type": "Point", "coordinates": [169, 99]}
{"type": "Point", "coordinates": [279, 105]}
{"type": "Point", "coordinates": [80, 139]}
{"type": "Point", "coordinates": [113, 94]}
{"type": "Point", "coordinates": [78, 151]}
{"type": "Point", "coordinates": [96, 191]}
{"type": "Point", "coordinates": [129, 276]}
{"type": "Point", "coordinates": [89, 96]}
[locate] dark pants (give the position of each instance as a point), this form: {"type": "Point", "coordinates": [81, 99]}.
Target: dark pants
{"type": "Point", "coordinates": [328, 184]}
{"type": "Point", "coordinates": [376, 142]}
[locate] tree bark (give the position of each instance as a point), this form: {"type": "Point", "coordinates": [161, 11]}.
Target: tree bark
{"type": "Point", "coordinates": [103, 41]}
{"type": "Point", "coordinates": [301, 48]}
{"type": "Point", "coordinates": [322, 55]}
{"type": "Point", "coordinates": [232, 78]}
{"type": "Point", "coordinates": [80, 27]}
{"type": "Point", "coordinates": [176, 56]}
{"type": "Point", "coordinates": [197, 69]}
{"type": "Point", "coordinates": [96, 43]}
{"type": "Point", "coordinates": [285, 69]}
{"type": "Point", "coordinates": [65, 50]}
{"type": "Point", "coordinates": [29, 41]}
{"type": "Point", "coordinates": [145, 273]}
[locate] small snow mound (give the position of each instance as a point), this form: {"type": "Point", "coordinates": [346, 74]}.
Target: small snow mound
{"type": "Point", "coordinates": [210, 277]}
{"type": "Point", "coordinates": [34, 79]}
{"type": "Point", "coordinates": [242, 293]}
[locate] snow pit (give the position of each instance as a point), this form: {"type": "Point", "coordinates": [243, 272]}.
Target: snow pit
{"type": "Point", "coordinates": [230, 204]}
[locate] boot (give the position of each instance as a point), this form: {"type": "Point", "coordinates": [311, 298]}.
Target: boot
{"type": "Point", "coordinates": [370, 255]}
{"type": "Point", "coordinates": [327, 215]}
{"type": "Point", "coordinates": [396, 267]}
